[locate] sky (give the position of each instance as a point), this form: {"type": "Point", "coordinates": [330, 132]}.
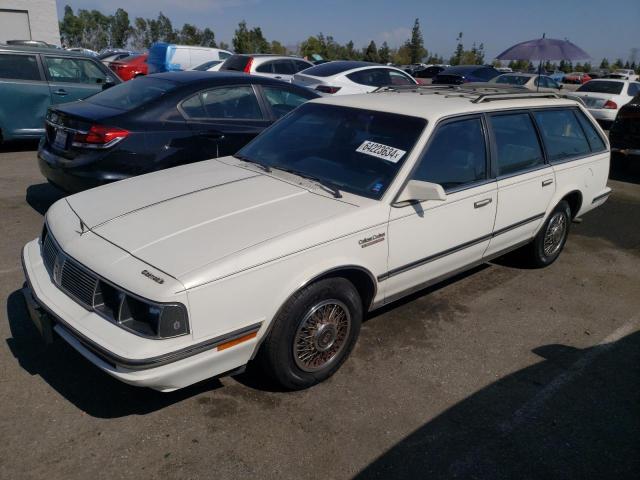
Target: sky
{"type": "Point", "coordinates": [603, 28]}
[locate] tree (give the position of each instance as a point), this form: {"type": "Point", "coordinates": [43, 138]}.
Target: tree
{"type": "Point", "coordinates": [208, 38]}
{"type": "Point", "coordinates": [371, 53]}
{"type": "Point", "coordinates": [384, 54]}
{"type": "Point", "coordinates": [249, 41]}
{"type": "Point", "coordinates": [415, 45]}
{"type": "Point", "coordinates": [190, 35]}
{"type": "Point", "coordinates": [278, 48]}
{"type": "Point", "coordinates": [224, 46]}
{"type": "Point", "coordinates": [350, 52]}
{"type": "Point", "coordinates": [70, 28]}
{"type": "Point", "coordinates": [120, 28]}
{"type": "Point", "coordinates": [459, 51]}
{"type": "Point", "coordinates": [604, 64]}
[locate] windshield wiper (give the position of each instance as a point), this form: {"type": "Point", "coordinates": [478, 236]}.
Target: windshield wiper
{"type": "Point", "coordinates": [263, 166]}
{"type": "Point", "coordinates": [327, 185]}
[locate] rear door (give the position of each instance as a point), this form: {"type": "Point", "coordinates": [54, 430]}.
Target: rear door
{"type": "Point", "coordinates": [74, 78]}
{"type": "Point", "coordinates": [224, 119]}
{"type": "Point", "coordinates": [24, 95]}
{"type": "Point", "coordinates": [526, 181]}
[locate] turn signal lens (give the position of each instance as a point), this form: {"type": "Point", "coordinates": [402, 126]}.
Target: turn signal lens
{"type": "Point", "coordinates": [236, 341]}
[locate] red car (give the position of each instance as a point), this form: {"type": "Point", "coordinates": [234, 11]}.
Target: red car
{"type": "Point", "coordinates": [130, 67]}
{"type": "Point", "coordinates": [576, 77]}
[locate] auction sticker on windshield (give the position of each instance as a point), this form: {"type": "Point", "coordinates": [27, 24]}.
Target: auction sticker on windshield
{"type": "Point", "coordinates": [379, 150]}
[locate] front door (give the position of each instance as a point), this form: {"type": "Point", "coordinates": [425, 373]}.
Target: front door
{"type": "Point", "coordinates": [432, 239]}
{"type": "Point", "coordinates": [73, 78]}
{"type": "Point", "coordinates": [224, 119]}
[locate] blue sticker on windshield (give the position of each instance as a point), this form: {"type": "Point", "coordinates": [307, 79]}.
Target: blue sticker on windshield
{"type": "Point", "coordinates": [376, 188]}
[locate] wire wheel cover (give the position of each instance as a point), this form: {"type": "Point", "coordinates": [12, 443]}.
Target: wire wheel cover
{"type": "Point", "coordinates": [556, 231]}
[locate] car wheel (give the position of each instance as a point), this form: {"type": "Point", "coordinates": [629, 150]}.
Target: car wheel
{"type": "Point", "coordinates": [550, 240]}
{"type": "Point", "coordinates": [313, 334]}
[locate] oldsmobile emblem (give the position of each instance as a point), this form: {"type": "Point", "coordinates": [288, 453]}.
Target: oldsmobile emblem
{"type": "Point", "coordinates": [153, 277]}
{"type": "Point", "coordinates": [83, 228]}
{"type": "Point", "coordinates": [372, 240]}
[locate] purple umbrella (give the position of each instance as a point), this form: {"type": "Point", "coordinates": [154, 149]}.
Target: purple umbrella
{"type": "Point", "coordinates": [544, 49]}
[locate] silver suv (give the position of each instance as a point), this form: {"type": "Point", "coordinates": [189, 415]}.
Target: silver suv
{"type": "Point", "coordinates": [274, 66]}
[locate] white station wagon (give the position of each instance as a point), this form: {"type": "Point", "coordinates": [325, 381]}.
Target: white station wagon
{"type": "Point", "coordinates": [276, 254]}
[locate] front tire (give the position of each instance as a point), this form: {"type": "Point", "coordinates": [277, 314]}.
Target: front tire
{"type": "Point", "coordinates": [550, 240]}
{"type": "Point", "coordinates": [313, 334]}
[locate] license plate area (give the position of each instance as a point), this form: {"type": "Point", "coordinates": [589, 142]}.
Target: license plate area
{"type": "Point", "coordinates": [60, 139]}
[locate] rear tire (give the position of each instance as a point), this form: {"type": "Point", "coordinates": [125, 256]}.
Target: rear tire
{"type": "Point", "coordinates": [550, 240]}
{"type": "Point", "coordinates": [313, 334]}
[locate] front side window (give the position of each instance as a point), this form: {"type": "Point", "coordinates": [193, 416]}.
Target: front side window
{"type": "Point", "coordinates": [518, 149]}
{"type": "Point", "coordinates": [233, 103]}
{"type": "Point", "coordinates": [561, 133]}
{"type": "Point", "coordinates": [300, 65]}
{"type": "Point", "coordinates": [74, 70]}
{"type": "Point", "coordinates": [359, 151]}
{"type": "Point", "coordinates": [282, 101]}
{"type": "Point", "coordinates": [456, 156]}
{"type": "Point", "coordinates": [19, 67]}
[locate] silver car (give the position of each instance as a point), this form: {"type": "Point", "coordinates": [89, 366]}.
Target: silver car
{"type": "Point", "coordinates": [530, 81]}
{"type": "Point", "coordinates": [274, 66]}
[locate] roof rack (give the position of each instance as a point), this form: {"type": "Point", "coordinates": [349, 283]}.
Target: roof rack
{"type": "Point", "coordinates": [476, 93]}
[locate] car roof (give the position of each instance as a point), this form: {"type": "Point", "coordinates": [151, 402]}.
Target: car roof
{"type": "Point", "coordinates": [463, 68]}
{"type": "Point", "coordinates": [49, 50]}
{"type": "Point", "coordinates": [434, 103]}
{"type": "Point", "coordinates": [338, 67]}
{"type": "Point", "coordinates": [221, 77]}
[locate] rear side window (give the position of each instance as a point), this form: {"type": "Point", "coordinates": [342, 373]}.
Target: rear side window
{"type": "Point", "coordinates": [300, 65]}
{"type": "Point", "coordinates": [562, 134]}
{"type": "Point", "coordinates": [19, 67]}
{"type": "Point", "coordinates": [284, 67]}
{"type": "Point", "coordinates": [283, 101]}
{"type": "Point", "coordinates": [267, 67]}
{"type": "Point", "coordinates": [594, 138]}
{"type": "Point", "coordinates": [333, 68]}
{"type": "Point", "coordinates": [634, 89]}
{"type": "Point", "coordinates": [517, 144]}
{"type": "Point", "coordinates": [486, 73]}
{"type": "Point", "coordinates": [456, 156]}
{"type": "Point", "coordinates": [376, 77]}
{"type": "Point", "coordinates": [233, 103]}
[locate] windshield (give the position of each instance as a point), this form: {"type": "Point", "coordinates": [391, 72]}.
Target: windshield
{"type": "Point", "coordinates": [602, 87]}
{"type": "Point", "coordinates": [512, 79]}
{"type": "Point", "coordinates": [357, 151]}
{"type": "Point", "coordinates": [132, 94]}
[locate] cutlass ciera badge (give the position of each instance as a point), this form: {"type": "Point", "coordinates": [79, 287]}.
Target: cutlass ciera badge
{"type": "Point", "coordinates": [372, 240]}
{"type": "Point", "coordinates": [153, 277]}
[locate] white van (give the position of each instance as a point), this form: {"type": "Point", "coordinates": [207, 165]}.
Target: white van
{"type": "Point", "coordinates": [165, 57]}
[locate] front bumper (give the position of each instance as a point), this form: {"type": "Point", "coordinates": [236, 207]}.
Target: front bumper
{"type": "Point", "coordinates": [53, 311]}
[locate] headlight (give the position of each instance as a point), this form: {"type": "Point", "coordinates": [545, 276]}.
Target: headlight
{"type": "Point", "coordinates": [148, 319]}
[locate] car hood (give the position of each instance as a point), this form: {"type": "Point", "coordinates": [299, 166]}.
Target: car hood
{"type": "Point", "coordinates": [182, 219]}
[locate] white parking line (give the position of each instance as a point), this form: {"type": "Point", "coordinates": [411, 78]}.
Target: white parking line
{"type": "Point", "coordinates": [529, 409]}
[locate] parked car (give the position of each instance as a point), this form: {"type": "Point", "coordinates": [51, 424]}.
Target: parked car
{"type": "Point", "coordinates": [460, 74]}
{"type": "Point", "coordinates": [533, 82]}
{"type": "Point", "coordinates": [167, 57]}
{"type": "Point", "coordinates": [274, 66]}
{"type": "Point", "coordinates": [349, 77]}
{"type": "Point", "coordinates": [557, 76]}
{"type": "Point", "coordinates": [31, 79]}
{"type": "Point", "coordinates": [604, 97]}
{"type": "Point", "coordinates": [624, 134]}
{"type": "Point", "coordinates": [159, 121]}
{"type": "Point", "coordinates": [30, 43]}
{"type": "Point", "coordinates": [425, 75]}
{"type": "Point", "coordinates": [624, 74]}
{"type": "Point", "coordinates": [131, 67]}
{"type": "Point", "coordinates": [210, 66]}
{"type": "Point", "coordinates": [576, 78]}
{"type": "Point", "coordinates": [275, 254]}
{"type": "Point", "coordinates": [84, 51]}
{"type": "Point", "coordinates": [113, 56]}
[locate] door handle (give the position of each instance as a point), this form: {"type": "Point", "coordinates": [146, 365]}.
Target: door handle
{"type": "Point", "coordinates": [278, 77]}
{"type": "Point", "coordinates": [546, 183]}
{"type": "Point", "coordinates": [212, 135]}
{"type": "Point", "coordinates": [482, 203]}
{"type": "Point", "coordinates": [61, 92]}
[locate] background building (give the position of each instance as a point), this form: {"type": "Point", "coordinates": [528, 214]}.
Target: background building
{"type": "Point", "coordinates": [29, 20]}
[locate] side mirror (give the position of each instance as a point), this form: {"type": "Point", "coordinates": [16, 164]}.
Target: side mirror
{"type": "Point", "coordinates": [419, 191]}
{"type": "Point", "coordinates": [108, 83]}
{"type": "Point", "coordinates": [560, 87]}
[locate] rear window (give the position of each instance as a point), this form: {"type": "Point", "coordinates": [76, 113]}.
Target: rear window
{"type": "Point", "coordinates": [236, 63]}
{"type": "Point", "coordinates": [132, 94]}
{"type": "Point", "coordinates": [333, 68]}
{"type": "Point", "coordinates": [602, 86]}
{"type": "Point", "coordinates": [19, 67]}
{"type": "Point", "coordinates": [512, 79]}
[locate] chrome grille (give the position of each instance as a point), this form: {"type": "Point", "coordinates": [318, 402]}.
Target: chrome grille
{"type": "Point", "coordinates": [71, 277]}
